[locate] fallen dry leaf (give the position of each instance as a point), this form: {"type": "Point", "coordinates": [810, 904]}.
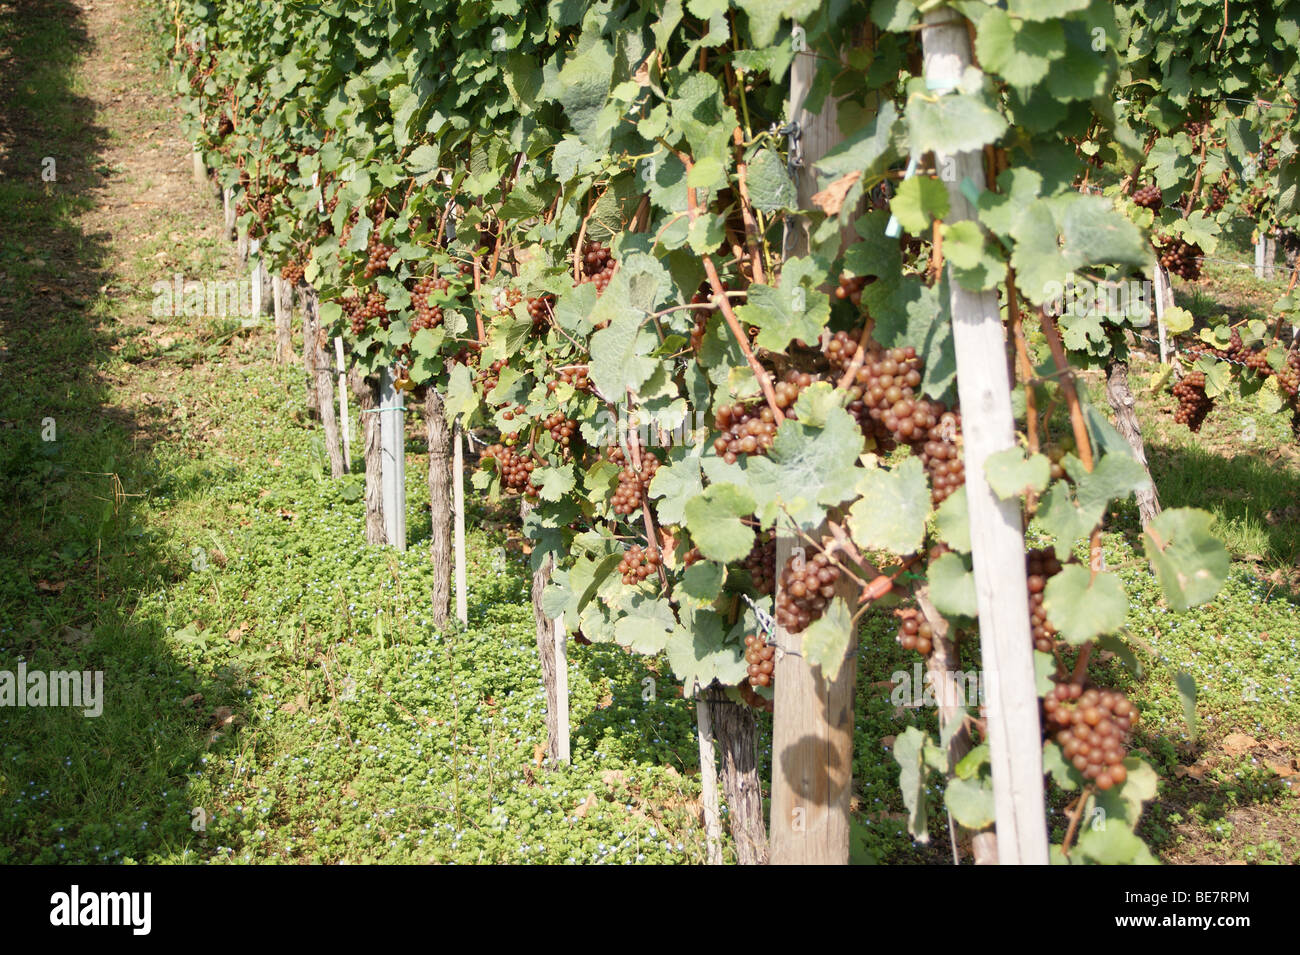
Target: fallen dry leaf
{"type": "Point", "coordinates": [1196, 771]}
{"type": "Point", "coordinates": [193, 700]}
{"type": "Point", "coordinates": [831, 199]}
{"type": "Point", "coordinates": [586, 806]}
{"type": "Point", "coordinates": [1234, 744]}
{"type": "Point", "coordinates": [1283, 769]}
{"type": "Point", "coordinates": [43, 586]}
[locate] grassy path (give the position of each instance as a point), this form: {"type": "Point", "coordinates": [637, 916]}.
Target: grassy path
{"type": "Point", "coordinates": [275, 691]}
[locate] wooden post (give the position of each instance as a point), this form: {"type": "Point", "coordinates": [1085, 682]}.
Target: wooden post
{"type": "Point", "coordinates": [812, 726]}
{"type": "Point", "coordinates": [200, 169]}
{"type": "Point", "coordinates": [458, 510]}
{"type": "Point", "coordinates": [282, 300]}
{"type": "Point", "coordinates": [736, 730]}
{"type": "Point", "coordinates": [1270, 257]}
{"type": "Point", "coordinates": [345, 421]}
{"type": "Point", "coordinates": [546, 644]}
{"type": "Point", "coordinates": [1259, 257]}
{"type": "Point", "coordinates": [1122, 402]}
{"type": "Point", "coordinates": [393, 470]}
{"type": "Point", "coordinates": [228, 208]}
{"type": "Point", "coordinates": [310, 353]}
{"type": "Point", "coordinates": [812, 751]}
{"type": "Point", "coordinates": [1002, 594]}
{"type": "Point", "coordinates": [1164, 298]}
{"type": "Point", "coordinates": [313, 340]}
{"type": "Point", "coordinates": [364, 387]}
{"type": "Point", "coordinates": [255, 276]}
{"type": "Point", "coordinates": [562, 690]}
{"type": "Point", "coordinates": [709, 780]}
{"type": "Point", "coordinates": [440, 520]}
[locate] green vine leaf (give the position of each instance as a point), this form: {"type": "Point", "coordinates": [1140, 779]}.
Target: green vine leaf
{"type": "Point", "coordinates": [714, 519]}
{"type": "Point", "coordinates": [1189, 562]}
{"type": "Point", "coordinates": [826, 641]}
{"type": "Point", "coordinates": [891, 512]}
{"type": "Point", "coordinates": [909, 747]}
{"type": "Point", "coordinates": [1082, 606]}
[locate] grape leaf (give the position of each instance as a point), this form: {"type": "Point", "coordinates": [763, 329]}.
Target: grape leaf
{"type": "Point", "coordinates": [1020, 52]}
{"type": "Point", "coordinates": [952, 587]}
{"type": "Point", "coordinates": [919, 201]}
{"type": "Point", "coordinates": [620, 354]}
{"type": "Point", "coordinates": [952, 520]}
{"type": "Point", "coordinates": [909, 746]}
{"type": "Point", "coordinates": [1189, 562]}
{"type": "Point", "coordinates": [826, 640]}
{"type": "Point", "coordinates": [770, 187]}
{"type": "Point", "coordinates": [951, 123]}
{"type": "Point", "coordinates": [647, 626]}
{"type": "Point", "coordinates": [1011, 473]}
{"type": "Point", "coordinates": [891, 512]}
{"type": "Point", "coordinates": [674, 485]}
{"type": "Point", "coordinates": [806, 469]}
{"type": "Point", "coordinates": [699, 650]}
{"type": "Point", "coordinates": [714, 520]}
{"type": "Point", "coordinates": [702, 581]}
{"type": "Point", "coordinates": [971, 802]}
{"type": "Point", "coordinates": [1082, 606]}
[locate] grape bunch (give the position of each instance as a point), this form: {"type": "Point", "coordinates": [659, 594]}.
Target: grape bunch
{"type": "Point", "coordinates": [761, 564]}
{"type": "Point", "coordinates": [577, 377]}
{"type": "Point", "coordinates": [1289, 376]}
{"type": "Point", "coordinates": [850, 288]}
{"type": "Point", "coordinates": [516, 470]}
{"type": "Point", "coordinates": [745, 430]}
{"type": "Point", "coordinates": [597, 266]}
{"type": "Point", "coordinates": [507, 298]}
{"type": "Point", "coordinates": [701, 317]}
{"type": "Point", "coordinates": [1193, 403]}
{"type": "Point", "coordinates": [840, 350]}
{"type": "Point", "coordinates": [488, 377]}
{"type": "Point", "coordinates": [1041, 565]}
{"type": "Point", "coordinates": [292, 272]}
{"type": "Point", "coordinates": [426, 314]}
{"type": "Point", "coordinates": [362, 313]}
{"type": "Point", "coordinates": [562, 429]}
{"type": "Point", "coordinates": [377, 255]}
{"type": "Point", "coordinates": [639, 563]}
{"type": "Point", "coordinates": [692, 556]}
{"type": "Point", "coordinates": [884, 399]}
{"type": "Point", "coordinates": [941, 455]}
{"type": "Point", "coordinates": [751, 429]}
{"type": "Point", "coordinates": [631, 485]}
{"type": "Point", "coordinates": [1181, 257]}
{"type": "Point", "coordinates": [225, 126]}
{"type": "Point", "coordinates": [761, 657]}
{"type": "Point", "coordinates": [539, 310]}
{"type": "Point", "coordinates": [915, 633]}
{"type": "Point", "coordinates": [807, 587]}
{"type": "Point", "coordinates": [1218, 198]}
{"type": "Point", "coordinates": [1148, 197]}
{"type": "Point", "coordinates": [1056, 459]}
{"type": "Point", "coordinates": [1092, 728]}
